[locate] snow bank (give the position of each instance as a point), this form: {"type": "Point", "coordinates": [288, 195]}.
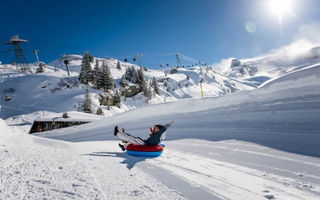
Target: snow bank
{"type": "Point", "coordinates": [4, 129]}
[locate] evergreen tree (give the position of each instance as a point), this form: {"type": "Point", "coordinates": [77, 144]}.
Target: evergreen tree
{"type": "Point", "coordinates": [97, 75]}
{"type": "Point", "coordinates": [145, 87]}
{"type": "Point", "coordinates": [86, 73]}
{"type": "Point", "coordinates": [135, 76]}
{"type": "Point", "coordinates": [123, 81]}
{"type": "Point", "coordinates": [155, 86]}
{"type": "Point", "coordinates": [117, 99]}
{"type": "Point", "coordinates": [106, 79]}
{"type": "Point", "coordinates": [128, 74]}
{"type": "Point", "coordinates": [147, 90]}
{"type": "Point", "coordinates": [141, 75]}
{"type": "Point", "coordinates": [86, 107]}
{"type": "Point", "coordinates": [118, 65]}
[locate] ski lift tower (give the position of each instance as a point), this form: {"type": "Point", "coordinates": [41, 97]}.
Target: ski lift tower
{"type": "Point", "coordinates": [178, 60]}
{"type": "Point", "coordinates": [20, 59]}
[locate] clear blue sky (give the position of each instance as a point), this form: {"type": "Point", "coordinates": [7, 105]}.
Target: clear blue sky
{"type": "Point", "coordinates": [208, 30]}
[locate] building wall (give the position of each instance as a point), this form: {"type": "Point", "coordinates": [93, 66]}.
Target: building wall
{"type": "Point", "coordinates": [40, 126]}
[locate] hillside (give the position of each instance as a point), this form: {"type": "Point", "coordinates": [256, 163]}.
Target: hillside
{"type": "Point", "coordinates": [255, 71]}
{"type": "Point", "coordinates": [258, 147]}
{"type": "Point", "coordinates": [251, 143]}
{"type": "Point", "coordinates": [53, 91]}
{"type": "Point", "coordinates": [25, 97]}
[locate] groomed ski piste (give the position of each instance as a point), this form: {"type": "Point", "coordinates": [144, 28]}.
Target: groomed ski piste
{"type": "Point", "coordinates": [257, 144]}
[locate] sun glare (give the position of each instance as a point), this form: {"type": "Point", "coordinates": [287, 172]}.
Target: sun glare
{"type": "Point", "coordinates": [279, 8]}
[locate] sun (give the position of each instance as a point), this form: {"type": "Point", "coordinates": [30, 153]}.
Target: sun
{"type": "Point", "coordinates": [280, 8]}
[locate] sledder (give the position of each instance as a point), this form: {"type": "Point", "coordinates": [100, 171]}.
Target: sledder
{"type": "Point", "coordinates": [157, 135]}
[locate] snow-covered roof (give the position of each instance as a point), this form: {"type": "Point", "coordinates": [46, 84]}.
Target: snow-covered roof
{"type": "Point", "coordinates": [72, 116]}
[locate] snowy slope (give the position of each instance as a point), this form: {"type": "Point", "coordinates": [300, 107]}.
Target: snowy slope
{"type": "Point", "coordinates": [50, 91]}
{"type": "Point", "coordinates": [255, 71]}
{"type": "Point", "coordinates": [25, 97]}
{"type": "Point", "coordinates": [214, 150]}
{"type": "Point", "coordinates": [36, 168]}
{"type": "Point", "coordinates": [253, 144]}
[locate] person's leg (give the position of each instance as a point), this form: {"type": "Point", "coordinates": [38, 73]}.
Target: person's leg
{"type": "Point", "coordinates": [129, 138]}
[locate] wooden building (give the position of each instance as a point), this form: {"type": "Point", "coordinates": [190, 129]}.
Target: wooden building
{"type": "Point", "coordinates": [64, 120]}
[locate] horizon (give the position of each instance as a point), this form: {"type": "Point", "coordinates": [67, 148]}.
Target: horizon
{"type": "Point", "coordinates": [204, 30]}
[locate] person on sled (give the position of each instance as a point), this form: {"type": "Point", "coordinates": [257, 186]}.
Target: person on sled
{"type": "Point", "coordinates": [158, 133]}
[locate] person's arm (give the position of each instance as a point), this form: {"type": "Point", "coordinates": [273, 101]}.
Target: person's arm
{"type": "Point", "coordinates": [169, 124]}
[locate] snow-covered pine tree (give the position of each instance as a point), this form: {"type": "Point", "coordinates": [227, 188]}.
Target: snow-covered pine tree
{"type": "Point", "coordinates": [147, 90]}
{"type": "Point", "coordinates": [86, 73]}
{"type": "Point", "coordinates": [155, 85]}
{"type": "Point", "coordinates": [128, 74]}
{"type": "Point", "coordinates": [86, 106]}
{"type": "Point", "coordinates": [141, 75]}
{"type": "Point", "coordinates": [123, 81]}
{"type": "Point", "coordinates": [145, 87]}
{"type": "Point", "coordinates": [107, 79]}
{"type": "Point", "coordinates": [135, 76]}
{"type": "Point", "coordinates": [118, 65]}
{"type": "Point", "coordinates": [117, 99]}
{"type": "Point", "coordinates": [97, 75]}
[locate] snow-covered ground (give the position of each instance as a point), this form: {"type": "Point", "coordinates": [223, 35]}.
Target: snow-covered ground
{"type": "Point", "coordinates": [257, 144]}
{"type": "Point", "coordinates": [251, 144]}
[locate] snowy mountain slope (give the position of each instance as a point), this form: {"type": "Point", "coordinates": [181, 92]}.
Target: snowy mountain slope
{"type": "Point", "coordinates": [268, 111]}
{"type": "Point", "coordinates": [30, 95]}
{"type": "Point", "coordinates": [255, 71]}
{"type": "Point", "coordinates": [98, 170]}
{"type": "Point", "coordinates": [223, 147]}
{"type": "Point", "coordinates": [52, 91]}
{"type": "Point", "coordinates": [254, 144]}
{"type": "Point", "coordinates": [36, 168]}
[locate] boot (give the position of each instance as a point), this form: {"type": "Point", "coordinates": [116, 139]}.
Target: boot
{"type": "Point", "coordinates": [116, 131]}
{"type": "Point", "coordinates": [122, 147]}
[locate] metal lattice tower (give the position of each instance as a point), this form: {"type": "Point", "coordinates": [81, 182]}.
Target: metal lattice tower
{"type": "Point", "coordinates": [20, 59]}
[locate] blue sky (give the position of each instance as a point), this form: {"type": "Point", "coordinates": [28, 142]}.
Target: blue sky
{"type": "Point", "coordinates": [207, 30]}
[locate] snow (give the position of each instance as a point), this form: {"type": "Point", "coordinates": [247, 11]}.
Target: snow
{"type": "Point", "coordinates": [72, 116]}
{"type": "Point", "coordinates": [265, 145]}
{"type": "Point", "coordinates": [249, 144]}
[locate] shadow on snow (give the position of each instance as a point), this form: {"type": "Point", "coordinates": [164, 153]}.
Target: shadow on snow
{"type": "Point", "coordinates": [129, 161]}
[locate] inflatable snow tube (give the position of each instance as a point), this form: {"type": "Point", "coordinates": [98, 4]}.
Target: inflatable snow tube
{"type": "Point", "coordinates": [144, 150]}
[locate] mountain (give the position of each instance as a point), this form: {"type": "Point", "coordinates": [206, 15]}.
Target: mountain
{"type": "Point", "coordinates": [25, 97]}
{"type": "Point", "coordinates": [255, 71]}
{"type": "Point", "coordinates": [54, 91]}
{"type": "Point", "coordinates": [248, 138]}
{"type": "Point", "coordinates": [256, 144]}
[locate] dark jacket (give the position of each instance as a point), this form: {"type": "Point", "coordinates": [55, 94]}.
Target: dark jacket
{"type": "Point", "coordinates": [155, 138]}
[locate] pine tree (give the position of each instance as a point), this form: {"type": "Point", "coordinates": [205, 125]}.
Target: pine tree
{"type": "Point", "coordinates": [155, 86]}
{"type": "Point", "coordinates": [128, 74]}
{"type": "Point", "coordinates": [141, 75]}
{"type": "Point", "coordinates": [97, 75]}
{"type": "Point", "coordinates": [86, 107]}
{"type": "Point", "coordinates": [118, 65]}
{"type": "Point", "coordinates": [86, 73]}
{"type": "Point", "coordinates": [135, 76]}
{"type": "Point", "coordinates": [117, 99]}
{"type": "Point", "coordinates": [123, 81]}
{"type": "Point", "coordinates": [107, 79]}
{"type": "Point", "coordinates": [147, 90]}
{"type": "Point", "coordinates": [145, 87]}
